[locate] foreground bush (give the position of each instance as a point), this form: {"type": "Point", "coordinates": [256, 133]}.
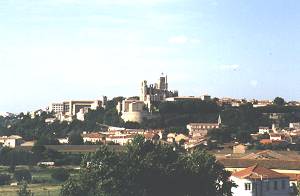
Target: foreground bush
{"type": "Point", "coordinates": [60, 174]}
{"type": "Point", "coordinates": [4, 179]}
{"type": "Point", "coordinates": [23, 175]}
{"type": "Point", "coordinates": [149, 169]}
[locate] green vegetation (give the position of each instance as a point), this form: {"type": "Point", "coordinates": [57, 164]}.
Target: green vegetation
{"type": "Point", "coordinates": [60, 174]}
{"type": "Point", "coordinates": [23, 190]}
{"type": "Point", "coordinates": [23, 175]}
{"type": "Point", "coordinates": [4, 179]}
{"type": "Point", "coordinates": [149, 169]}
{"type": "Point", "coordinates": [36, 189]}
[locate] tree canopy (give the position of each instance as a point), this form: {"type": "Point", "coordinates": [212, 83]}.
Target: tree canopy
{"type": "Point", "coordinates": [148, 169]}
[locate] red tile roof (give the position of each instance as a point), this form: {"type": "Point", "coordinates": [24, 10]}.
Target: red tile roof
{"type": "Point", "coordinates": [257, 172]}
{"type": "Point", "coordinates": [92, 135]}
{"type": "Point", "coordinates": [265, 141]}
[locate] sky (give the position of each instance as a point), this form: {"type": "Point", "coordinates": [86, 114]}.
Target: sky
{"type": "Point", "coordinates": [56, 50]}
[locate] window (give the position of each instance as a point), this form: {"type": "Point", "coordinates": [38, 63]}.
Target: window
{"type": "Point", "coordinates": [282, 184]}
{"type": "Point", "coordinates": [247, 186]}
{"type": "Point", "coordinates": [267, 186]}
{"type": "Point", "coordinates": [275, 185]}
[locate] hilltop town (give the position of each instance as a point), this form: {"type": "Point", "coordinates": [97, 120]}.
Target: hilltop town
{"type": "Point", "coordinates": [260, 136]}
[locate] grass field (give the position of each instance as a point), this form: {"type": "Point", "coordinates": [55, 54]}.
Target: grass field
{"type": "Point", "coordinates": [42, 182]}
{"type": "Point", "coordinates": [37, 189]}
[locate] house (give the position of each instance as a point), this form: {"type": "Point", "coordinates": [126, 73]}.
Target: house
{"type": "Point", "coordinates": [180, 137]}
{"type": "Point", "coordinates": [11, 141]}
{"type": "Point", "coordinates": [171, 137]}
{"type": "Point", "coordinates": [63, 140]}
{"type": "Point", "coordinates": [93, 137]}
{"type": "Point", "coordinates": [294, 125]}
{"type": "Point", "coordinates": [260, 181]}
{"type": "Point", "coordinates": [201, 129]}
{"type": "Point", "coordinates": [239, 149]}
{"type": "Point", "coordinates": [263, 130]}
{"type": "Point", "coordinates": [275, 136]}
{"type": "Point", "coordinates": [120, 139]}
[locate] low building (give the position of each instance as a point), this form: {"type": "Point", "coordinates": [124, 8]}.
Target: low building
{"type": "Point", "coordinates": [171, 137]}
{"type": "Point", "coordinates": [120, 139]}
{"type": "Point", "coordinates": [276, 137]}
{"type": "Point", "coordinates": [63, 140]}
{"type": "Point", "coordinates": [181, 137]}
{"type": "Point", "coordinates": [294, 125]}
{"type": "Point", "coordinates": [201, 129]}
{"type": "Point", "coordinates": [183, 98]}
{"type": "Point", "coordinates": [263, 130]}
{"type": "Point", "coordinates": [260, 181]}
{"type": "Point", "coordinates": [50, 120]}
{"type": "Point", "coordinates": [93, 137]}
{"type": "Point", "coordinates": [239, 149]}
{"type": "Point", "coordinates": [11, 141]}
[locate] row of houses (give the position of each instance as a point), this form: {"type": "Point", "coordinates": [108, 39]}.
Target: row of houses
{"type": "Point", "coordinates": [120, 136]}
{"type": "Point", "coordinates": [263, 173]}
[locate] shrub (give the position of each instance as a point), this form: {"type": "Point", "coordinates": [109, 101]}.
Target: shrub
{"type": "Point", "coordinates": [4, 179]}
{"type": "Point", "coordinates": [60, 174]}
{"type": "Point", "coordinates": [24, 174]}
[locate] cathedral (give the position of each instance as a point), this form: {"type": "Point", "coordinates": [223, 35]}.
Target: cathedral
{"type": "Point", "coordinates": [156, 92]}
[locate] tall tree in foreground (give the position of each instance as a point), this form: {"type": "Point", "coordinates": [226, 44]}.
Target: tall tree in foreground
{"type": "Point", "coordinates": [148, 169]}
{"type": "Point", "coordinates": [23, 190]}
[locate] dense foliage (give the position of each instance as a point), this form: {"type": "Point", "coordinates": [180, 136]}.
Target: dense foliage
{"type": "Point", "coordinates": [149, 169]}
{"type": "Point", "coordinates": [10, 156]}
{"type": "Point", "coordinates": [4, 179]}
{"type": "Point", "coordinates": [22, 175]}
{"type": "Point", "coordinates": [60, 174]}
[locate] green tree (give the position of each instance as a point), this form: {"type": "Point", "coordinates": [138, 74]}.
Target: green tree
{"type": "Point", "coordinates": [60, 174]}
{"type": "Point", "coordinates": [22, 175]}
{"type": "Point", "coordinates": [75, 139]}
{"type": "Point", "coordinates": [23, 190]}
{"type": "Point", "coordinates": [4, 179]}
{"type": "Point", "coordinates": [279, 101]}
{"type": "Point", "coordinates": [148, 168]}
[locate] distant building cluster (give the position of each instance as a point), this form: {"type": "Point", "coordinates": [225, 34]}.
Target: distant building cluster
{"type": "Point", "coordinates": [120, 136]}
{"type": "Point", "coordinates": [67, 110]}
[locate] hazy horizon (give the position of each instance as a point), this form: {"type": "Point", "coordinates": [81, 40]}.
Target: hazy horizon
{"type": "Point", "coordinates": [55, 50]}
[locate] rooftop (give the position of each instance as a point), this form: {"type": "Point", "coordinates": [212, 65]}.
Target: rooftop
{"type": "Point", "coordinates": [258, 172]}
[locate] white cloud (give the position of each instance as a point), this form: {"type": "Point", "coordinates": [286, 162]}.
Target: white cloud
{"type": "Point", "coordinates": [231, 67]}
{"type": "Point", "coordinates": [178, 39]}
{"type": "Point", "coordinates": [254, 83]}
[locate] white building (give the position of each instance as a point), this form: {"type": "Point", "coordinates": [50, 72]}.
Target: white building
{"type": "Point", "coordinates": [92, 137]}
{"type": "Point", "coordinates": [263, 130]}
{"type": "Point", "coordinates": [276, 136]}
{"type": "Point", "coordinates": [260, 181]}
{"type": "Point", "coordinates": [201, 129]}
{"type": "Point", "coordinates": [11, 141]}
{"type": "Point", "coordinates": [63, 140]}
{"type": "Point", "coordinates": [294, 125]}
{"type": "Point", "coordinates": [56, 107]}
{"type": "Point", "coordinates": [132, 110]}
{"type": "Point", "coordinates": [72, 107]}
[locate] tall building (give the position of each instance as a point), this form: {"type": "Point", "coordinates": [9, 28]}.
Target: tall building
{"type": "Point", "coordinates": [56, 107]}
{"type": "Point", "coordinates": [69, 109]}
{"type": "Point", "coordinates": [156, 92]}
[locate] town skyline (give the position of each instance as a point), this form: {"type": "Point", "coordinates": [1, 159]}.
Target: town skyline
{"type": "Point", "coordinates": [73, 49]}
